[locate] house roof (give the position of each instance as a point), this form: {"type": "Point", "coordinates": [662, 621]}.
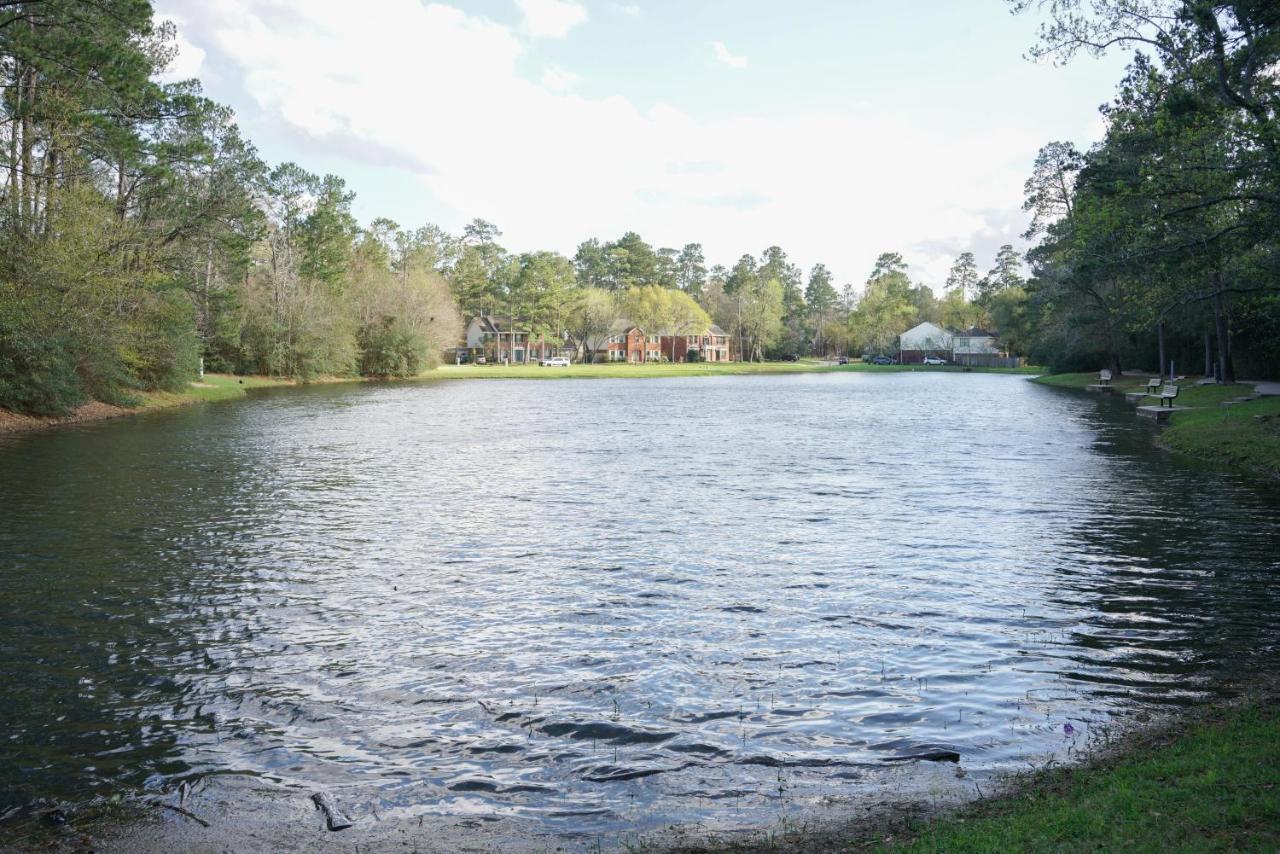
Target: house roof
{"type": "Point", "coordinates": [494, 323]}
{"type": "Point", "coordinates": [977, 332]}
{"type": "Point", "coordinates": [621, 326]}
{"type": "Point", "coordinates": [921, 325]}
{"type": "Point", "coordinates": [715, 330]}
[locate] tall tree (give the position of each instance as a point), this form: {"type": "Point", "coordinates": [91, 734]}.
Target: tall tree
{"type": "Point", "coordinates": [963, 276]}
{"type": "Point", "coordinates": [821, 298]}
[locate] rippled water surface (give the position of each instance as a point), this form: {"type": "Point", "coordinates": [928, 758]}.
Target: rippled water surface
{"type": "Point", "coordinates": [593, 604]}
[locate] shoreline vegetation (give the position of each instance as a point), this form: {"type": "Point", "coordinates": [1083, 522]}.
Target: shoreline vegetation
{"type": "Point", "coordinates": [219, 387]}
{"type": "Point", "coordinates": [1219, 425]}
{"type": "Point", "coordinates": [1207, 780]}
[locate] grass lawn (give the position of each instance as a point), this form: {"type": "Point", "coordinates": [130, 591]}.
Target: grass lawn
{"type": "Point", "coordinates": [1207, 783]}
{"type": "Point", "coordinates": [678, 369]}
{"type": "Point", "coordinates": [1208, 430]}
{"type": "Point", "coordinates": [1214, 788]}
{"type": "Point", "coordinates": [1123, 383]}
{"type": "Point", "coordinates": [212, 387]}
{"type": "Point", "coordinates": [1230, 434]}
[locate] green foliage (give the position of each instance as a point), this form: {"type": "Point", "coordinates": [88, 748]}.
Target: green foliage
{"type": "Point", "coordinates": [391, 349]}
{"type": "Point", "coordinates": [37, 364]}
{"type": "Point", "coordinates": [160, 344]}
{"type": "Point", "coordinates": [1214, 788]}
{"type": "Point", "coordinates": [1166, 230]}
{"type": "Point", "coordinates": [887, 307]}
{"type": "Point", "coordinates": [1246, 435]}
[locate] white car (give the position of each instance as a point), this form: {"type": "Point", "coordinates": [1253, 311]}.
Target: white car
{"type": "Point", "coordinates": [555, 362]}
{"type": "Point", "coordinates": [934, 360]}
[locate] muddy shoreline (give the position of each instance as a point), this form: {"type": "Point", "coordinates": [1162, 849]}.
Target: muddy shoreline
{"type": "Point", "coordinates": [237, 813]}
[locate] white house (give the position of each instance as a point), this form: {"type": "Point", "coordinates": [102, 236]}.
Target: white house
{"type": "Point", "coordinates": [926, 339]}
{"type": "Point", "coordinates": [974, 342]}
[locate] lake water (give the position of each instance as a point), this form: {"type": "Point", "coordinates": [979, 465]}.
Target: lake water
{"type": "Point", "coordinates": [605, 604]}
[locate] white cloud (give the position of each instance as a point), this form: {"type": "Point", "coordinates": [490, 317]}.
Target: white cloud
{"type": "Point", "coordinates": [558, 79]}
{"type": "Point", "coordinates": [189, 60]}
{"type": "Point", "coordinates": [551, 18]}
{"type": "Point", "coordinates": [724, 56]}
{"type": "Point", "coordinates": [442, 93]}
{"type": "Point", "coordinates": [631, 10]}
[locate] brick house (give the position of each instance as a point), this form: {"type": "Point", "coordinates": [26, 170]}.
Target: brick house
{"type": "Point", "coordinates": [711, 346]}
{"type": "Point", "coordinates": [626, 343]}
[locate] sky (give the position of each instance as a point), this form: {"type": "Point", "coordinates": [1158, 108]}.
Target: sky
{"type": "Point", "coordinates": [836, 129]}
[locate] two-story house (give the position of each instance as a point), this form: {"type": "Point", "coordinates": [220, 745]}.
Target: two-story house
{"type": "Point", "coordinates": [712, 345]}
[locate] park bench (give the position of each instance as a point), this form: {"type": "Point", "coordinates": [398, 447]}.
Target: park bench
{"type": "Point", "coordinates": [1169, 393]}
{"type": "Point", "coordinates": [1104, 377]}
{"type": "Point", "coordinates": [1153, 385]}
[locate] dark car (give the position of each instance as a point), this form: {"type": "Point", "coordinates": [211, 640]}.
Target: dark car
{"type": "Point", "coordinates": [881, 360]}
{"type": "Point", "coordinates": [791, 357]}
{"type": "Point", "coordinates": [843, 360]}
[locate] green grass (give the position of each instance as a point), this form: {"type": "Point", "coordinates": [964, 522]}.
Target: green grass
{"type": "Point", "coordinates": [1208, 429]}
{"type": "Point", "coordinates": [1125, 383]}
{"type": "Point", "coordinates": [698, 369]}
{"type": "Point", "coordinates": [1234, 435]}
{"type": "Point", "coordinates": [1215, 788]}
{"type": "Point", "coordinates": [212, 387]}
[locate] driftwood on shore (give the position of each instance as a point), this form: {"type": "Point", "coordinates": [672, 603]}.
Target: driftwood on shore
{"type": "Point", "coordinates": [333, 815]}
{"type": "Point", "coordinates": [930, 756]}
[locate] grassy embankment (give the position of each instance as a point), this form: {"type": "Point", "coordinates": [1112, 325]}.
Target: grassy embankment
{"type": "Point", "coordinates": [697, 369]}
{"type": "Point", "coordinates": [1208, 784]}
{"type": "Point", "coordinates": [212, 387]}
{"type": "Point", "coordinates": [1215, 787]}
{"type": "Point", "coordinates": [1245, 435]}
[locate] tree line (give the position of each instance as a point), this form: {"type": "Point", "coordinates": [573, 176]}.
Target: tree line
{"type": "Point", "coordinates": [1158, 244]}
{"type": "Point", "coordinates": [145, 238]}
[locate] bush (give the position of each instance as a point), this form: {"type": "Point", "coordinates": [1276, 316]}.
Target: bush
{"type": "Point", "coordinates": [38, 373]}
{"type": "Point", "coordinates": [162, 349]}
{"type": "Point", "coordinates": [387, 349]}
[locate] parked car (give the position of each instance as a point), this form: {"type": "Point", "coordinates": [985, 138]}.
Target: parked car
{"type": "Point", "coordinates": [790, 357]}
{"type": "Point", "coordinates": [555, 362]}
{"type": "Point", "coordinates": [934, 360]}
{"type": "Point", "coordinates": [881, 360]}
{"type": "Point", "coordinates": [843, 360]}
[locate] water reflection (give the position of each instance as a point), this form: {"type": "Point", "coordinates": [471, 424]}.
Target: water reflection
{"type": "Point", "coordinates": [601, 603]}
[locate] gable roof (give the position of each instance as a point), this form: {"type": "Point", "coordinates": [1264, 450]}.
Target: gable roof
{"type": "Point", "coordinates": [496, 324]}
{"type": "Point", "coordinates": [621, 326]}
{"type": "Point", "coordinates": [977, 332]}
{"type": "Point", "coordinates": [920, 326]}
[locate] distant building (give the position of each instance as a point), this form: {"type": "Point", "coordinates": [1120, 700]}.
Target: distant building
{"type": "Point", "coordinates": [979, 348]}
{"type": "Point", "coordinates": [499, 340]}
{"type": "Point", "coordinates": [626, 343]}
{"type": "Point", "coordinates": [926, 339]}
{"type": "Point", "coordinates": [710, 346]}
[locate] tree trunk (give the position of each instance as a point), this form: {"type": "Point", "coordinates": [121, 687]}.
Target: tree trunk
{"type": "Point", "coordinates": [1227, 374]}
{"type": "Point", "coordinates": [15, 132]}
{"type": "Point", "coordinates": [28, 146]}
{"type": "Point", "coordinates": [1208, 353]}
{"type": "Point", "coordinates": [1160, 338]}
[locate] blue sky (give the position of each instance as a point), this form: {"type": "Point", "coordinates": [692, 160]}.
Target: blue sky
{"type": "Point", "coordinates": [837, 129]}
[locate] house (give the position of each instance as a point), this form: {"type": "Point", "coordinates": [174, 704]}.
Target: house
{"type": "Point", "coordinates": [627, 342]}
{"type": "Point", "coordinates": [498, 339]}
{"type": "Point", "coordinates": [977, 347]}
{"type": "Point", "coordinates": [712, 345]}
{"type": "Point", "coordinates": [925, 339]}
